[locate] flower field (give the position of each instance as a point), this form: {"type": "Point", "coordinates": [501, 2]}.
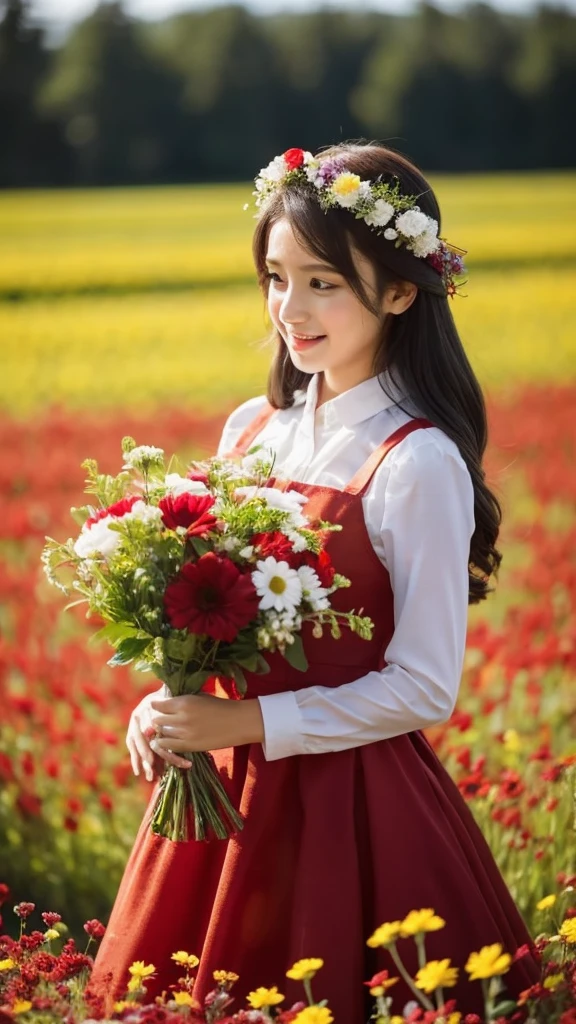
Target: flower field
{"type": "Point", "coordinates": [131, 312]}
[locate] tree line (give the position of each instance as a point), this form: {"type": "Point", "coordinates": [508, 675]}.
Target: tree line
{"type": "Point", "coordinates": [212, 95]}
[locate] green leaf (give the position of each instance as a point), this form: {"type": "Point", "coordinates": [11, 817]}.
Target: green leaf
{"type": "Point", "coordinates": [295, 655]}
{"type": "Point", "coordinates": [114, 632]}
{"type": "Point", "coordinates": [239, 678]}
{"type": "Point", "coordinates": [505, 1007]}
{"type": "Point", "coordinates": [129, 649]}
{"type": "Point", "coordinates": [201, 547]}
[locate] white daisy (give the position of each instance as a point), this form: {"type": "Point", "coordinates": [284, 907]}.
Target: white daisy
{"type": "Point", "coordinates": [312, 589]}
{"type": "Point", "coordinates": [277, 585]}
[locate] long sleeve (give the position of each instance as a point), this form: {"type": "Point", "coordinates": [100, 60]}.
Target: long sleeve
{"type": "Point", "coordinates": [426, 525]}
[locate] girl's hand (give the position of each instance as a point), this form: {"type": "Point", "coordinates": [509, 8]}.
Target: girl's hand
{"type": "Point", "coordinates": [140, 732]}
{"type": "Point", "coordinates": [202, 722]}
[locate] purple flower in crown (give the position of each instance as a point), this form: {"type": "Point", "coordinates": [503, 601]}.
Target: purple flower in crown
{"type": "Point", "coordinates": [330, 169]}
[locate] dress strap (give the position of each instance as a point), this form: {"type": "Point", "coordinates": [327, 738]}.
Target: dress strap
{"type": "Point", "coordinates": [361, 480]}
{"type": "Point", "coordinates": [253, 428]}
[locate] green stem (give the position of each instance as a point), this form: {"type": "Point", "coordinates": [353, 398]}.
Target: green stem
{"type": "Point", "coordinates": [308, 990]}
{"type": "Point", "coordinates": [404, 974]}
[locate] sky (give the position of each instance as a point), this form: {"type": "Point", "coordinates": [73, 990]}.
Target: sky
{"type": "Point", "coordinates": [58, 15]}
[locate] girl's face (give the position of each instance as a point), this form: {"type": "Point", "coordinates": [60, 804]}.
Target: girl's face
{"type": "Point", "coordinates": [325, 326]}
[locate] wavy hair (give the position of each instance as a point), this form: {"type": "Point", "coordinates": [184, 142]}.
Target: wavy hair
{"type": "Point", "coordinates": [421, 346]}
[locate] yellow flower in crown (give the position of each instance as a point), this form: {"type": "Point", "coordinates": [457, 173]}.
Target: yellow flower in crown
{"type": "Point", "coordinates": [305, 969]}
{"type": "Point", "coordinates": [222, 976]}
{"type": "Point", "coordinates": [314, 1015]}
{"type": "Point", "coordinates": [489, 962]}
{"type": "Point", "coordinates": [436, 974]}
{"type": "Point", "coordinates": [421, 921]}
{"type": "Point", "coordinates": [264, 997]}
{"type": "Point", "coordinates": [385, 935]}
{"type": "Point", "coordinates": [567, 929]}
{"type": "Point", "coordinates": [186, 959]}
{"type": "Point", "coordinates": [346, 188]}
{"type": "Point", "coordinates": [7, 965]}
{"type": "Point", "coordinates": [21, 1006]}
{"type": "Point", "coordinates": [141, 970]}
{"type": "Point", "coordinates": [545, 902]}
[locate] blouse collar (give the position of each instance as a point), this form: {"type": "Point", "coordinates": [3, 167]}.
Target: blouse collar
{"type": "Point", "coordinates": [351, 407]}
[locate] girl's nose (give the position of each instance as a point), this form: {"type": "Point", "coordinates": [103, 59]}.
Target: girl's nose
{"type": "Point", "coordinates": [292, 308]}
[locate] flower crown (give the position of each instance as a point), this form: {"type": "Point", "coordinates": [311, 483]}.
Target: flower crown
{"type": "Point", "coordinates": [379, 204]}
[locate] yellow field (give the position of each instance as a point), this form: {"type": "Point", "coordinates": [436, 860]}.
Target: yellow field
{"type": "Point", "coordinates": [175, 311]}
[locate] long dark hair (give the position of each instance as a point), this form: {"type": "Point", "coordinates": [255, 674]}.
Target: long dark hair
{"type": "Point", "coordinates": [421, 345]}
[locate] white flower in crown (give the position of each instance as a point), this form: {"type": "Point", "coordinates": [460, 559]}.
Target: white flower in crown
{"type": "Point", "coordinates": [380, 215]}
{"type": "Point", "coordinates": [426, 243]}
{"type": "Point", "coordinates": [413, 223]}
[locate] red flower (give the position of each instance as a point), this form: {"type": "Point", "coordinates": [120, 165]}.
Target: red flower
{"type": "Point", "coordinates": [4, 892]}
{"type": "Point", "coordinates": [118, 509]}
{"type": "Point", "coordinates": [23, 910]}
{"type": "Point", "coordinates": [50, 918]}
{"type": "Point", "coordinates": [322, 565]}
{"type": "Point", "coordinates": [94, 928]}
{"type": "Point", "coordinates": [294, 158]}
{"type": "Point", "coordinates": [211, 596]}
{"type": "Point", "coordinates": [189, 511]}
{"type": "Point", "coordinates": [274, 544]}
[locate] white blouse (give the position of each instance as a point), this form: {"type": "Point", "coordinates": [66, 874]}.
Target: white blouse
{"type": "Point", "coordinates": [419, 512]}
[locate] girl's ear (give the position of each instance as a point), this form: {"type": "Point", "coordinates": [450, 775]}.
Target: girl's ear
{"type": "Point", "coordinates": [398, 297]}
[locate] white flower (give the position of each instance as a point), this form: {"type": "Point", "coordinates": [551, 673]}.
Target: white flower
{"type": "Point", "coordinates": [143, 455]}
{"type": "Point", "coordinates": [380, 215]}
{"type": "Point", "coordinates": [311, 168]}
{"type": "Point", "coordinates": [413, 223]}
{"type": "Point", "coordinates": [97, 539]}
{"type": "Point", "coordinates": [274, 171]}
{"type": "Point", "coordinates": [298, 541]}
{"type": "Point", "coordinates": [247, 552]}
{"type": "Point", "coordinates": [426, 243]}
{"type": "Point", "coordinates": [278, 585]}
{"type": "Point", "coordinates": [286, 501]}
{"type": "Point", "coordinates": [390, 234]}
{"type": "Point", "coordinates": [312, 589]}
{"type": "Point", "coordinates": [178, 485]}
{"type": "Point", "coordinates": [253, 463]}
{"type": "Point", "coordinates": [143, 512]}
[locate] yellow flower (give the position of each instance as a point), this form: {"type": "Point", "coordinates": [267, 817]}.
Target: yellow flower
{"type": "Point", "coordinates": [304, 969]}
{"type": "Point", "coordinates": [512, 741]}
{"type": "Point", "coordinates": [21, 1006]}
{"type": "Point", "coordinates": [186, 959]}
{"type": "Point", "coordinates": [552, 981]}
{"type": "Point", "coordinates": [134, 984]}
{"type": "Point", "coordinates": [547, 901]}
{"type": "Point", "coordinates": [346, 188]}
{"type": "Point", "coordinates": [488, 962]}
{"type": "Point", "coordinates": [51, 934]}
{"type": "Point", "coordinates": [121, 1005]}
{"type": "Point", "coordinates": [380, 989]}
{"type": "Point", "coordinates": [385, 935]}
{"type": "Point", "coordinates": [314, 1015]}
{"type": "Point", "coordinates": [436, 974]}
{"type": "Point", "coordinates": [225, 976]}
{"type": "Point", "coordinates": [421, 921]}
{"type": "Point", "coordinates": [7, 965]}
{"type": "Point", "coordinates": [568, 929]}
{"type": "Point", "coordinates": [184, 999]}
{"type": "Point", "coordinates": [397, 1020]}
{"type": "Point", "coordinates": [141, 970]}
{"type": "Point", "coordinates": [265, 997]}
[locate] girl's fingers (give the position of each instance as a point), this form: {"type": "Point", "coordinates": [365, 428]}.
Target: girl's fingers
{"type": "Point", "coordinates": [134, 759]}
{"type": "Point", "coordinates": [143, 749]}
{"type": "Point", "coordinates": [168, 754]}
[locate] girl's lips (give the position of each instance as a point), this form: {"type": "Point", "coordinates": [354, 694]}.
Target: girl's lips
{"type": "Point", "coordinates": [299, 345]}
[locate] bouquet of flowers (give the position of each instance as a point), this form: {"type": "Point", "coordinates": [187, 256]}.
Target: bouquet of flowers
{"type": "Point", "coordinates": [195, 576]}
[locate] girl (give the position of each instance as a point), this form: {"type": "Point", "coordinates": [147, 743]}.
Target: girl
{"type": "Point", "coordinates": [375, 416]}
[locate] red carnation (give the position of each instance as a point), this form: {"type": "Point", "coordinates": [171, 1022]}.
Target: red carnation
{"type": "Point", "coordinates": [23, 910]}
{"type": "Point", "coordinates": [94, 928]}
{"type": "Point", "coordinates": [211, 596]}
{"type": "Point", "coordinates": [190, 511]}
{"type": "Point", "coordinates": [118, 509]}
{"type": "Point", "coordinates": [274, 544]}
{"type": "Point", "coordinates": [50, 918]}
{"type": "Point", "coordinates": [294, 158]}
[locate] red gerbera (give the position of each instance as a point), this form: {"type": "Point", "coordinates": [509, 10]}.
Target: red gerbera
{"type": "Point", "coordinates": [190, 511]}
{"type": "Point", "coordinates": [211, 596]}
{"type": "Point", "coordinates": [274, 544]}
{"type": "Point", "coordinates": [294, 158]}
{"type": "Point", "coordinates": [118, 509]}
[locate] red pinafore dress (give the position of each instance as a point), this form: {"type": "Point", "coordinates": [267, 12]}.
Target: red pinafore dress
{"type": "Point", "coordinates": [333, 845]}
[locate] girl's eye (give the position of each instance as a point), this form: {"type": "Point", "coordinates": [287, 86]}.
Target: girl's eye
{"type": "Point", "coordinates": [323, 286]}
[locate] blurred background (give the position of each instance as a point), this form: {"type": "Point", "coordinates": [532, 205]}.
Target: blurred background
{"type": "Point", "coordinates": [129, 138]}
